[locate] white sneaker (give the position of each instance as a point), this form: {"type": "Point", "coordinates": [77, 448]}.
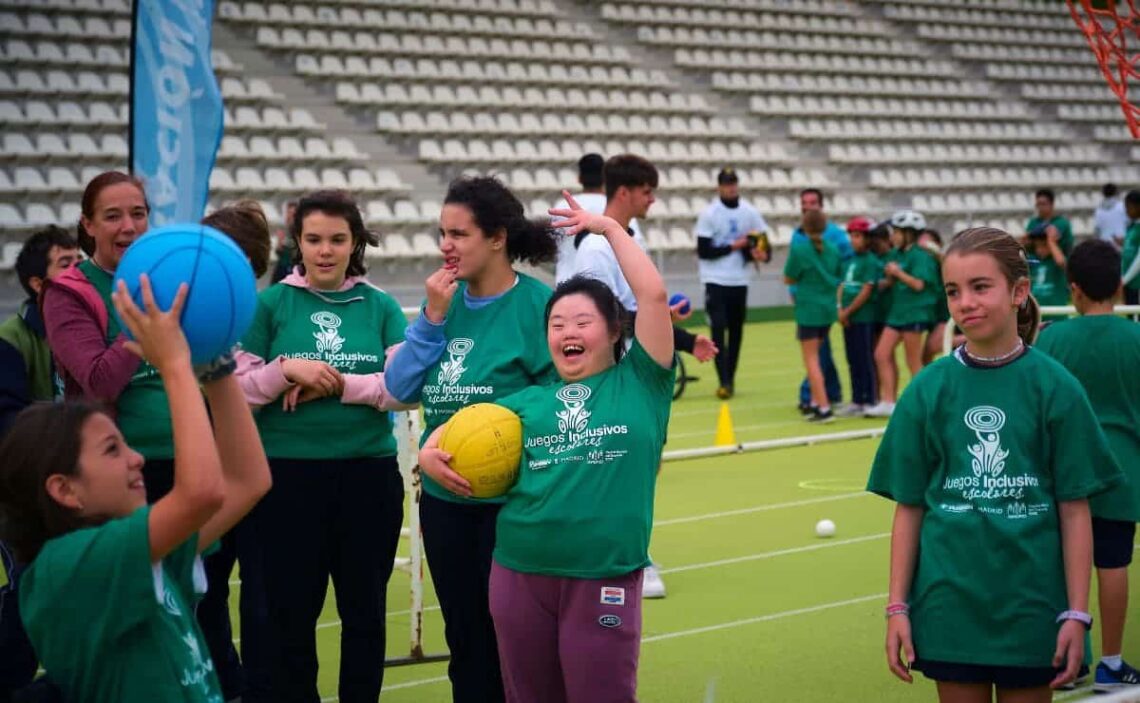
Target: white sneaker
{"type": "Point", "coordinates": [883, 409]}
{"type": "Point", "coordinates": [651, 584]}
{"type": "Point", "coordinates": [852, 410]}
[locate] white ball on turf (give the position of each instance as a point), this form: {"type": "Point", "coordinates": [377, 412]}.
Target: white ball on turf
{"type": "Point", "coordinates": [825, 528]}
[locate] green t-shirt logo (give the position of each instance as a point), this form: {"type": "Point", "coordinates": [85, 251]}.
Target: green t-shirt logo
{"type": "Point", "coordinates": [451, 371]}
{"type": "Point", "coordinates": [575, 417]}
{"type": "Point", "coordinates": [198, 674]}
{"type": "Point", "coordinates": [328, 339]}
{"type": "Point", "coordinates": [991, 490]}
{"type": "Point", "coordinates": [986, 421]}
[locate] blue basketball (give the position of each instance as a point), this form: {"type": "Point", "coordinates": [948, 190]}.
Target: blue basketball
{"type": "Point", "coordinates": [681, 298]}
{"type": "Point", "coordinates": [223, 293]}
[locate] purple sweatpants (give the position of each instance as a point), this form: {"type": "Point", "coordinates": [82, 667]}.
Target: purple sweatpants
{"type": "Point", "coordinates": [567, 640]}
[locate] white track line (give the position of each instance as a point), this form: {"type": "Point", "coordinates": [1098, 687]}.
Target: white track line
{"type": "Point", "coordinates": [776, 553]}
{"type": "Point", "coordinates": [758, 509]}
{"type": "Point", "coordinates": [701, 630]}
{"type": "Point", "coordinates": [763, 618]}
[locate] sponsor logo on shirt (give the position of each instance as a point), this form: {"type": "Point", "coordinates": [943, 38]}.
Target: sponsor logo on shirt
{"type": "Point", "coordinates": [574, 430]}
{"type": "Point", "coordinates": [990, 481]}
{"type": "Point", "coordinates": [197, 675]}
{"type": "Point", "coordinates": [612, 595]}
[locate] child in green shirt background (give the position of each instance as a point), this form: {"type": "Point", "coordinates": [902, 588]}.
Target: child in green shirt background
{"type": "Point", "coordinates": [1103, 352]}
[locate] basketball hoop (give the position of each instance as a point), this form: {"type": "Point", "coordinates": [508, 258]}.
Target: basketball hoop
{"type": "Point", "coordinates": [1109, 33]}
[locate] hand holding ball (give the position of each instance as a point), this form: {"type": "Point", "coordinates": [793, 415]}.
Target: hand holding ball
{"type": "Point", "coordinates": [825, 528]}
{"type": "Point", "coordinates": [680, 305]}
{"type": "Point", "coordinates": [222, 294]}
{"type": "Point", "coordinates": [485, 444]}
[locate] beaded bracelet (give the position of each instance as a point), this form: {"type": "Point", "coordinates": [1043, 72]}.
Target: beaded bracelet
{"type": "Point", "coordinates": [897, 609]}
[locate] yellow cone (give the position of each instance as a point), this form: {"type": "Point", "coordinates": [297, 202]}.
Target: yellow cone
{"type": "Point", "coordinates": [725, 435]}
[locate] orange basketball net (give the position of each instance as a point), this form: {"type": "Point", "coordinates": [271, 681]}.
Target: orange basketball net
{"type": "Point", "coordinates": [1113, 38]}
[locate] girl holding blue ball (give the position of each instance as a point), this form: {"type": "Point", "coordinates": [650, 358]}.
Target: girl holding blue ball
{"type": "Point", "coordinates": [313, 364]}
{"type": "Point", "coordinates": [109, 594]}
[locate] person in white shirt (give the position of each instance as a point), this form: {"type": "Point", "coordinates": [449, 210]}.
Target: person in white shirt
{"type": "Point", "coordinates": [592, 199]}
{"type": "Point", "coordinates": [1110, 221]}
{"type": "Point", "coordinates": [727, 259]}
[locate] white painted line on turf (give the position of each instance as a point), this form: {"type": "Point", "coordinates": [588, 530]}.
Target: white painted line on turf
{"type": "Point", "coordinates": [763, 618]}
{"type": "Point", "coordinates": [776, 553]}
{"type": "Point", "coordinates": [413, 684]}
{"type": "Point", "coordinates": [713, 628]}
{"type": "Point", "coordinates": [758, 509]}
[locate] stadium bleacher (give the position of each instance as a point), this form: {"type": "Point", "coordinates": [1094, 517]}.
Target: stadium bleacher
{"type": "Point", "coordinates": [883, 104]}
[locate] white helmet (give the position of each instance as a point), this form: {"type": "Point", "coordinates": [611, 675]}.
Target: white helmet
{"type": "Point", "coordinates": [908, 219]}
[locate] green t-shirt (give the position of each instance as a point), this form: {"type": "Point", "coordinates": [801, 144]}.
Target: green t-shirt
{"type": "Point", "coordinates": [492, 351]}
{"type": "Point", "coordinates": [816, 273]}
{"type": "Point", "coordinates": [988, 453]}
{"type": "Point", "coordinates": [909, 306]}
{"type": "Point", "coordinates": [1049, 285]}
{"type": "Point", "coordinates": [583, 503]}
{"type": "Point", "coordinates": [1109, 369]}
{"type": "Point", "coordinates": [1064, 231]}
{"type": "Point", "coordinates": [858, 271]}
{"type": "Point", "coordinates": [349, 330]}
{"type": "Point", "coordinates": [110, 626]}
{"type": "Point", "coordinates": [141, 410]}
{"type": "Point", "coordinates": [1129, 253]}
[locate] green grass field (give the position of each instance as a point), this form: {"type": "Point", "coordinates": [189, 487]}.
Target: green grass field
{"type": "Point", "coordinates": [758, 607]}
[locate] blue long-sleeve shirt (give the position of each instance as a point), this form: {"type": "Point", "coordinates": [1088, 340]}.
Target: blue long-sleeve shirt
{"type": "Point", "coordinates": [424, 344]}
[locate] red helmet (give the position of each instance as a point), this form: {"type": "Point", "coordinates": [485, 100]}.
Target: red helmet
{"type": "Point", "coordinates": [860, 224]}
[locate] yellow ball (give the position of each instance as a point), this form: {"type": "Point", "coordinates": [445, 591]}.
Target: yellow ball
{"type": "Point", "coordinates": [485, 444]}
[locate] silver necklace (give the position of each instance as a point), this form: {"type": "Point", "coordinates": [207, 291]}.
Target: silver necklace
{"type": "Point", "coordinates": [995, 359]}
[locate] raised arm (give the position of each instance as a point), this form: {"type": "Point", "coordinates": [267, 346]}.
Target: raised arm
{"type": "Point", "coordinates": [198, 490]}
{"type": "Point", "coordinates": [653, 326]}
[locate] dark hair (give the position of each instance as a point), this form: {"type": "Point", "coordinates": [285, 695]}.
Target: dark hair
{"type": "Point", "coordinates": [604, 299]}
{"type": "Point", "coordinates": [630, 171]}
{"type": "Point", "coordinates": [1094, 267]}
{"type": "Point", "coordinates": [1132, 198]}
{"type": "Point", "coordinates": [496, 209]}
{"type": "Point", "coordinates": [245, 223]}
{"type": "Point", "coordinates": [1109, 190]}
{"type": "Point", "coordinates": [1010, 258]}
{"type": "Point", "coordinates": [334, 203]}
{"type": "Point", "coordinates": [817, 191]}
{"type": "Point", "coordinates": [32, 261]}
{"type": "Point", "coordinates": [91, 193]}
{"type": "Point", "coordinates": [45, 439]}
{"type": "Point", "coordinates": [1046, 193]}
{"type": "Point", "coordinates": [591, 171]}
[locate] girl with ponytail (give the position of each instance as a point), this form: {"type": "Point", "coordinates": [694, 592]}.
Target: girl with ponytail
{"type": "Point", "coordinates": [478, 338]}
{"type": "Point", "coordinates": [994, 446]}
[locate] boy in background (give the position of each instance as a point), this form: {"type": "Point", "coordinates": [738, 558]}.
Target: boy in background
{"type": "Point", "coordinates": [1103, 351]}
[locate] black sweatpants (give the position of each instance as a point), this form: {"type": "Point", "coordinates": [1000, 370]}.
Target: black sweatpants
{"type": "Point", "coordinates": [859, 338]}
{"type": "Point", "coordinates": [726, 307]}
{"type": "Point", "coordinates": [458, 541]}
{"type": "Point", "coordinates": [329, 518]}
{"type": "Point", "coordinates": [213, 610]}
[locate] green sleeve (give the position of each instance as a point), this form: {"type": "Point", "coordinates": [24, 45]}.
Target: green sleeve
{"type": "Point", "coordinates": [1081, 462]}
{"type": "Point", "coordinates": [1065, 241]}
{"type": "Point", "coordinates": [258, 337]}
{"type": "Point", "coordinates": [903, 463]}
{"type": "Point", "coordinates": [793, 267]}
{"type": "Point", "coordinates": [1129, 252]}
{"type": "Point", "coordinates": [394, 322]}
{"type": "Point", "coordinates": [654, 378]}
